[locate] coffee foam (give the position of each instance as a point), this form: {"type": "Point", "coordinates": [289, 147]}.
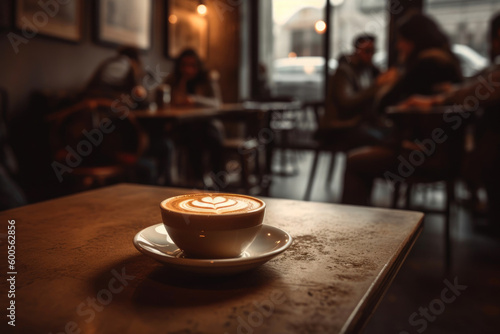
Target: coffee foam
{"type": "Point", "coordinates": [217, 204]}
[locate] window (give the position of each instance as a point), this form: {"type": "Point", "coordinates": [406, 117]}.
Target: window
{"type": "Point", "coordinates": [291, 39]}
{"type": "Point", "coordinates": [466, 22]}
{"type": "Point", "coordinates": [291, 47]}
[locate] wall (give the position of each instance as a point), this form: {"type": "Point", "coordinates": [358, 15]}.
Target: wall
{"type": "Point", "coordinates": [224, 44]}
{"type": "Point", "coordinates": [50, 65]}
{"type": "Point", "coordinates": [53, 65]}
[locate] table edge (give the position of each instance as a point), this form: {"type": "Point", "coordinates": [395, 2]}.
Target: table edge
{"type": "Point", "coordinates": [369, 302]}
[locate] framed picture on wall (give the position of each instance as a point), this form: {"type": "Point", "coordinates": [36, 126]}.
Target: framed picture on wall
{"type": "Point", "coordinates": [124, 22]}
{"type": "Point", "coordinates": [185, 28]}
{"type": "Point", "coordinates": [54, 19]}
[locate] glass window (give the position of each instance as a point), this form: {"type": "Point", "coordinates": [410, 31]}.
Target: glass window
{"type": "Point", "coordinates": [466, 22]}
{"type": "Point", "coordinates": [291, 47]}
{"type": "Point", "coordinates": [354, 17]}
{"type": "Point", "coordinates": [291, 37]}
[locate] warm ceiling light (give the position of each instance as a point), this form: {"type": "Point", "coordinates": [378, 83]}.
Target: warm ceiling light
{"type": "Point", "coordinates": [173, 19]}
{"type": "Point", "coordinates": [320, 27]}
{"type": "Point", "coordinates": [202, 9]}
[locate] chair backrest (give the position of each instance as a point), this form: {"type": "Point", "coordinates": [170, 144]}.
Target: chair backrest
{"type": "Point", "coordinates": [110, 132]}
{"type": "Point", "coordinates": [424, 127]}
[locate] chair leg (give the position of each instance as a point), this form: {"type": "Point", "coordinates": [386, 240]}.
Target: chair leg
{"type": "Point", "coordinates": [329, 176]}
{"type": "Point", "coordinates": [311, 176]}
{"type": "Point", "coordinates": [244, 172]}
{"type": "Point", "coordinates": [409, 188]}
{"type": "Point", "coordinates": [395, 195]}
{"type": "Point", "coordinates": [283, 161]}
{"type": "Point", "coordinates": [450, 194]}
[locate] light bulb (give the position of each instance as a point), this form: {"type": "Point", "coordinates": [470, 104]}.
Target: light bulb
{"type": "Point", "coordinates": [202, 9]}
{"type": "Point", "coordinates": [320, 27]}
{"type": "Point", "coordinates": [173, 19]}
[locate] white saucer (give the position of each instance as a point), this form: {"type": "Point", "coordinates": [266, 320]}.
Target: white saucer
{"type": "Point", "coordinates": [155, 242]}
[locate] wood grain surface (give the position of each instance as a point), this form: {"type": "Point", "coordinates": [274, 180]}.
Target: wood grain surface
{"type": "Point", "coordinates": [78, 271]}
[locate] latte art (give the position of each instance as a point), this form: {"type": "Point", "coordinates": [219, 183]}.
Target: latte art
{"type": "Point", "coordinates": [212, 226]}
{"type": "Point", "coordinates": [213, 204]}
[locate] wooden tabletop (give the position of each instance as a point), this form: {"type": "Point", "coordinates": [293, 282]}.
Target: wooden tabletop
{"type": "Point", "coordinates": [77, 269]}
{"type": "Point", "coordinates": [169, 112]}
{"type": "Point", "coordinates": [435, 110]}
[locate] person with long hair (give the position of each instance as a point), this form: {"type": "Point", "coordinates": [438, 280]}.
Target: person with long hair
{"type": "Point", "coordinates": [480, 169]}
{"type": "Point", "coordinates": [426, 64]}
{"type": "Point", "coordinates": [425, 60]}
{"type": "Point", "coordinates": [191, 84]}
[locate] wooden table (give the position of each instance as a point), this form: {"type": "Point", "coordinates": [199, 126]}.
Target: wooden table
{"type": "Point", "coordinates": [155, 121]}
{"type": "Point", "coordinates": [77, 269]}
{"type": "Point", "coordinates": [187, 113]}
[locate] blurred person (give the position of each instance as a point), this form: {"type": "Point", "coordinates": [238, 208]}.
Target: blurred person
{"type": "Point", "coordinates": [349, 116]}
{"type": "Point", "coordinates": [121, 74]}
{"type": "Point", "coordinates": [193, 86]}
{"type": "Point", "coordinates": [482, 166]}
{"type": "Point", "coordinates": [426, 62]}
{"type": "Point", "coordinates": [123, 78]}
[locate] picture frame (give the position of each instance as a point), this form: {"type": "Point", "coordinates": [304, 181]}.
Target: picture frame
{"type": "Point", "coordinates": [185, 28]}
{"type": "Point", "coordinates": [124, 23]}
{"type": "Point", "coordinates": [62, 21]}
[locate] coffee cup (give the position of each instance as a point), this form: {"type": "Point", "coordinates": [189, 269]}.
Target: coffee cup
{"type": "Point", "coordinates": [213, 225]}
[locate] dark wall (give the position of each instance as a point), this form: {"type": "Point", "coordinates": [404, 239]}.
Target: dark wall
{"type": "Point", "coordinates": [45, 64]}
{"type": "Point", "coordinates": [54, 66]}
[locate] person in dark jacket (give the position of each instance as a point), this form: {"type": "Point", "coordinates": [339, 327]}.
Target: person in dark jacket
{"type": "Point", "coordinates": [426, 63]}
{"type": "Point", "coordinates": [425, 59]}
{"type": "Point", "coordinates": [352, 91]}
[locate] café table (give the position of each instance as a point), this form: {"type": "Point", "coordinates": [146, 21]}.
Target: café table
{"type": "Point", "coordinates": [76, 269]}
{"type": "Point", "coordinates": [159, 121]}
{"type": "Point", "coordinates": [196, 113]}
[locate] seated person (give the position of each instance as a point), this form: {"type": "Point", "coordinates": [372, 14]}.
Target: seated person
{"type": "Point", "coordinates": [481, 92]}
{"type": "Point", "coordinates": [192, 86]}
{"type": "Point", "coordinates": [352, 90]}
{"type": "Point", "coordinates": [122, 74]}
{"type": "Point", "coordinates": [426, 62]}
{"type": "Point", "coordinates": [119, 76]}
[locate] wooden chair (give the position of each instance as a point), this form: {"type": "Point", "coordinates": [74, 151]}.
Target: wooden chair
{"type": "Point", "coordinates": [108, 139]}
{"type": "Point", "coordinates": [282, 121]}
{"type": "Point", "coordinates": [333, 147]}
{"type": "Point", "coordinates": [451, 152]}
{"type": "Point", "coordinates": [250, 150]}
